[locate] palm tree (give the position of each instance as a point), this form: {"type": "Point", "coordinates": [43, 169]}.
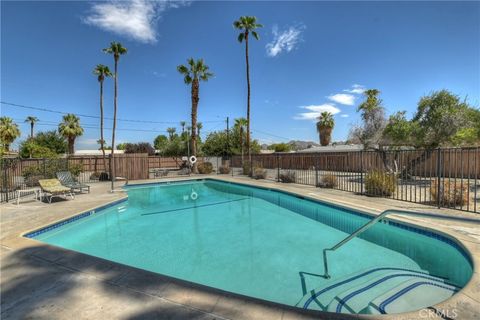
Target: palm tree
{"type": "Point", "coordinates": [171, 132]}
{"type": "Point", "coordinates": [9, 131]}
{"type": "Point", "coordinates": [371, 103]}
{"type": "Point", "coordinates": [325, 126]}
{"type": "Point", "coordinates": [199, 127]}
{"type": "Point", "coordinates": [194, 72]}
{"type": "Point", "coordinates": [182, 124]}
{"type": "Point", "coordinates": [240, 124]}
{"type": "Point", "coordinates": [70, 129]}
{"type": "Point", "coordinates": [32, 121]}
{"type": "Point", "coordinates": [102, 71]}
{"type": "Point", "coordinates": [117, 50]}
{"type": "Point", "coordinates": [247, 25]}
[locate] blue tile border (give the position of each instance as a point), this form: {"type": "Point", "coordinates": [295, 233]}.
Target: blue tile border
{"type": "Point", "coordinates": [77, 217]}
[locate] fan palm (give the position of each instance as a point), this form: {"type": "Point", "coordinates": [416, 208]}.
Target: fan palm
{"type": "Point", "coordinates": [240, 125]}
{"type": "Point", "coordinates": [199, 127]}
{"type": "Point", "coordinates": [9, 131]}
{"type": "Point", "coordinates": [371, 102]}
{"type": "Point", "coordinates": [247, 25]}
{"type": "Point", "coordinates": [70, 129]}
{"type": "Point", "coordinates": [32, 120]}
{"type": "Point", "coordinates": [116, 49]}
{"type": "Point", "coordinates": [194, 72]}
{"type": "Point", "coordinates": [102, 71]}
{"type": "Point", "coordinates": [325, 126]}
{"type": "Point", "coordinates": [182, 124]}
{"type": "Point", "coordinates": [171, 132]}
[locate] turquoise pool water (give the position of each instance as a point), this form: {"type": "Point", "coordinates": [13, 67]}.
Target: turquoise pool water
{"type": "Point", "coordinates": [256, 242]}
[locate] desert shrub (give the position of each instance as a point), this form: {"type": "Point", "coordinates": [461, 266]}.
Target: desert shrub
{"type": "Point", "coordinates": [205, 168]}
{"type": "Point", "coordinates": [246, 168]}
{"type": "Point", "coordinates": [451, 193]}
{"type": "Point", "coordinates": [95, 176]}
{"type": "Point", "coordinates": [287, 177]}
{"type": "Point", "coordinates": [141, 147]}
{"type": "Point", "coordinates": [328, 181]}
{"type": "Point", "coordinates": [259, 173]}
{"type": "Point", "coordinates": [75, 169]}
{"type": "Point", "coordinates": [379, 183]}
{"type": "Point", "coordinates": [224, 169]}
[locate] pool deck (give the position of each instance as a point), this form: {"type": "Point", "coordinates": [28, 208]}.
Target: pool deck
{"type": "Point", "coordinates": [40, 281]}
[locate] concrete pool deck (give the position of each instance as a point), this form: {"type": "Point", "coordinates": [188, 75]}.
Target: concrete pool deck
{"type": "Point", "coordinates": [46, 282]}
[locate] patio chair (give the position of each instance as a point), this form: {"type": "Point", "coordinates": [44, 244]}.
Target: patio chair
{"type": "Point", "coordinates": [67, 180]}
{"type": "Point", "coordinates": [53, 188]}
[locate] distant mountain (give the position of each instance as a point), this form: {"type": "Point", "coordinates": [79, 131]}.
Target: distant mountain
{"type": "Point", "coordinates": [297, 145]}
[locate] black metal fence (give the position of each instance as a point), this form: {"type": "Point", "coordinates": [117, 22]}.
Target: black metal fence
{"type": "Point", "coordinates": [447, 177]}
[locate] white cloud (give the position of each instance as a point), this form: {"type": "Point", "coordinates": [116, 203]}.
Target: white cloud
{"type": "Point", "coordinates": [356, 88]}
{"type": "Point", "coordinates": [344, 115]}
{"type": "Point", "coordinates": [343, 98]}
{"type": "Point", "coordinates": [315, 111]}
{"type": "Point", "coordinates": [135, 19]}
{"type": "Point", "coordinates": [285, 40]}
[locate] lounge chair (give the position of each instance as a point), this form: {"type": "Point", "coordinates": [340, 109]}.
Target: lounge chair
{"type": "Point", "coordinates": [67, 180]}
{"type": "Point", "coordinates": [53, 188]}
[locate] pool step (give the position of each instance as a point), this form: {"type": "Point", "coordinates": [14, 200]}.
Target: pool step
{"type": "Point", "coordinates": [411, 295]}
{"type": "Point", "coordinates": [320, 298]}
{"type": "Point", "coordinates": [357, 298]}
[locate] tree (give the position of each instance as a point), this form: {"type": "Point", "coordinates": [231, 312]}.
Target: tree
{"type": "Point", "coordinates": [141, 147]}
{"type": "Point", "coordinates": [199, 127]}
{"type": "Point", "coordinates": [280, 147]}
{"type": "Point", "coordinates": [70, 129]}
{"type": "Point", "coordinates": [171, 133]}
{"type": "Point", "coordinates": [216, 144]}
{"type": "Point", "coordinates": [117, 50]}
{"type": "Point", "coordinates": [102, 71]}
{"type": "Point", "coordinates": [325, 126]}
{"type": "Point", "coordinates": [30, 148]}
{"type": "Point", "coordinates": [247, 25]}
{"type": "Point", "coordinates": [9, 131]}
{"type": "Point", "coordinates": [51, 140]}
{"type": "Point", "coordinates": [194, 72]}
{"type": "Point", "coordinates": [32, 120]}
{"type": "Point", "coordinates": [239, 126]}
{"type": "Point", "coordinates": [182, 124]}
{"type": "Point", "coordinates": [121, 146]}
{"type": "Point", "coordinates": [160, 142]}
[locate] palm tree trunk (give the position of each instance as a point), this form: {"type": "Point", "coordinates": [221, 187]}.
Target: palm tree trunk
{"type": "Point", "coordinates": [31, 130]}
{"type": "Point", "coordinates": [112, 164]}
{"type": "Point", "coordinates": [102, 141]}
{"type": "Point", "coordinates": [71, 143]}
{"type": "Point", "coordinates": [241, 143]}
{"type": "Point", "coordinates": [248, 103]}
{"type": "Point", "coordinates": [195, 99]}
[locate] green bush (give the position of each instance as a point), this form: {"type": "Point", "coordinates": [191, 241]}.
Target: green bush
{"type": "Point", "coordinates": [328, 181]}
{"type": "Point", "coordinates": [246, 168]}
{"type": "Point", "coordinates": [205, 168]}
{"type": "Point", "coordinates": [224, 169]}
{"type": "Point", "coordinates": [287, 177]}
{"type": "Point", "coordinates": [379, 183]}
{"type": "Point", "coordinates": [75, 169]}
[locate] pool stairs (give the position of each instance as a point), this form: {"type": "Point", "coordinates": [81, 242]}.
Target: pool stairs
{"type": "Point", "coordinates": [380, 290]}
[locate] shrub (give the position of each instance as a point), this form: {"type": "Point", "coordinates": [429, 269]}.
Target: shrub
{"type": "Point", "coordinates": [287, 177]}
{"type": "Point", "coordinates": [246, 168]}
{"type": "Point", "coordinates": [224, 169]}
{"type": "Point", "coordinates": [75, 169]}
{"type": "Point", "coordinates": [141, 147]}
{"type": "Point", "coordinates": [451, 193]}
{"type": "Point", "coordinates": [328, 181]}
{"type": "Point", "coordinates": [95, 176]}
{"type": "Point", "coordinates": [259, 173]}
{"type": "Point", "coordinates": [205, 168]}
{"type": "Point", "coordinates": [379, 183]}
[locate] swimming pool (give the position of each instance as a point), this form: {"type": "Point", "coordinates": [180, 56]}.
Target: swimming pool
{"type": "Point", "coordinates": [268, 245]}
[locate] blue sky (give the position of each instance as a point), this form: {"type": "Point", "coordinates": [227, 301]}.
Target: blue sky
{"type": "Point", "coordinates": [312, 56]}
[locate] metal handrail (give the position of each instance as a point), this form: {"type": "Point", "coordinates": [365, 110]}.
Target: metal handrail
{"type": "Point", "coordinates": [357, 232]}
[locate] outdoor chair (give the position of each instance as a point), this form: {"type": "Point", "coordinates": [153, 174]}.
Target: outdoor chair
{"type": "Point", "coordinates": [53, 188]}
{"type": "Point", "coordinates": [67, 180]}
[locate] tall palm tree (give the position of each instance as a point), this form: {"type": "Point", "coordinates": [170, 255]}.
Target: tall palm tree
{"type": "Point", "coordinates": [370, 103]}
{"type": "Point", "coordinates": [9, 131]}
{"type": "Point", "coordinates": [247, 25]}
{"type": "Point", "coordinates": [102, 71]}
{"type": "Point", "coordinates": [325, 126]}
{"type": "Point", "coordinates": [182, 124]}
{"type": "Point", "coordinates": [199, 127]}
{"type": "Point", "coordinates": [194, 72]}
{"type": "Point", "coordinates": [171, 132]}
{"type": "Point", "coordinates": [240, 124]}
{"type": "Point", "coordinates": [32, 120]}
{"type": "Point", "coordinates": [70, 129]}
{"type": "Point", "coordinates": [117, 50]}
